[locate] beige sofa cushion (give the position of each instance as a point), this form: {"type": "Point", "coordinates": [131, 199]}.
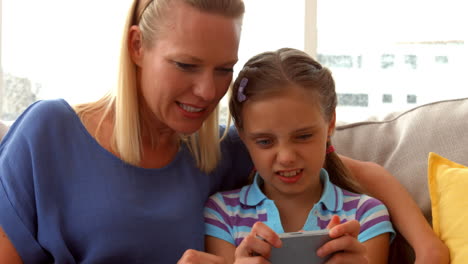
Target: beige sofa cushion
{"type": "Point", "coordinates": [401, 142]}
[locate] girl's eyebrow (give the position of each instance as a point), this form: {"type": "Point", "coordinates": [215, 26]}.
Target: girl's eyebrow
{"type": "Point", "coordinates": [265, 134]}
{"type": "Point", "coordinates": [258, 134]}
{"type": "Point", "coordinates": [304, 129]}
{"type": "Point", "coordinates": [307, 129]}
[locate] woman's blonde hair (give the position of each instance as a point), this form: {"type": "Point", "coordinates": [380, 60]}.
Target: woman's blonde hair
{"type": "Point", "coordinates": [122, 105]}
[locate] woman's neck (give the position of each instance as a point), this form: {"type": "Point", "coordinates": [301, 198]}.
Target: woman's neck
{"type": "Point", "coordinates": [159, 144]}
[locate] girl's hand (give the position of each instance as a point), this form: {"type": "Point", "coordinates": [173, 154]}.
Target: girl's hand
{"type": "Point", "coordinates": [345, 247]}
{"type": "Point", "coordinates": [256, 247]}
{"type": "Point", "coordinates": [192, 256]}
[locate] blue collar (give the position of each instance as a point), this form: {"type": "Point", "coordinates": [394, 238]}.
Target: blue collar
{"type": "Point", "coordinates": [332, 198]}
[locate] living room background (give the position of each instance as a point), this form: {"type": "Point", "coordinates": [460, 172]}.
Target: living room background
{"type": "Point", "coordinates": [386, 56]}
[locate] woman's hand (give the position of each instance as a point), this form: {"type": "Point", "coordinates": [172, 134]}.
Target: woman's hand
{"type": "Point", "coordinates": [432, 251]}
{"type": "Point", "coordinates": [345, 247]}
{"type": "Point", "coordinates": [406, 214]}
{"type": "Point", "coordinates": [256, 247]}
{"type": "Point", "coordinates": [192, 256]}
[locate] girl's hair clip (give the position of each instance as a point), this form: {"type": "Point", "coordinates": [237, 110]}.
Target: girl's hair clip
{"type": "Point", "coordinates": [240, 93]}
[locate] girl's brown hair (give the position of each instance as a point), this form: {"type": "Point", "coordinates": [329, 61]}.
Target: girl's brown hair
{"type": "Point", "coordinates": [272, 72]}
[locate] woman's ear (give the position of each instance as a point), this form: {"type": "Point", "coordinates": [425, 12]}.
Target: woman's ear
{"type": "Point", "coordinates": [135, 45]}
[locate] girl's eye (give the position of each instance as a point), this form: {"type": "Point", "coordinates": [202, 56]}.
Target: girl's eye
{"type": "Point", "coordinates": [263, 142]}
{"type": "Point", "coordinates": [185, 66]}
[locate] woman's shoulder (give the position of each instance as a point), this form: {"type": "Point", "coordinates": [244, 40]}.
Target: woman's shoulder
{"type": "Point", "coordinates": [47, 106]}
{"type": "Point", "coordinates": [45, 110]}
{"type": "Point", "coordinates": [43, 117]}
{"type": "Point", "coordinates": [231, 141]}
{"type": "Point", "coordinates": [235, 163]}
{"type": "Point", "coordinates": [229, 134]}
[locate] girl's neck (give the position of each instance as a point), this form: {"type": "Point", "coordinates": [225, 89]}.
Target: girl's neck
{"type": "Point", "coordinates": [294, 209]}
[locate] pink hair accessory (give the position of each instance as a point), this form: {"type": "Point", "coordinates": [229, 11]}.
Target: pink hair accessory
{"type": "Point", "coordinates": [330, 149]}
{"type": "Point", "coordinates": [240, 93]}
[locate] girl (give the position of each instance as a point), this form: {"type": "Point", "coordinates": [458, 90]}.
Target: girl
{"type": "Point", "coordinates": [283, 105]}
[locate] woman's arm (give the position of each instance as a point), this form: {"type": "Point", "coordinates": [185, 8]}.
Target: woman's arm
{"type": "Point", "coordinates": [192, 256]}
{"type": "Point", "coordinates": [405, 213]}
{"type": "Point", "coordinates": [8, 253]}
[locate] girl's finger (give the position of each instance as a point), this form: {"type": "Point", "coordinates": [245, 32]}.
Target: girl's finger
{"type": "Point", "coordinates": [252, 260]}
{"type": "Point", "coordinates": [344, 243]}
{"type": "Point", "coordinates": [334, 221]}
{"type": "Point", "coordinates": [258, 242]}
{"type": "Point", "coordinates": [351, 228]}
{"type": "Point", "coordinates": [252, 246]}
{"type": "Point", "coordinates": [264, 232]}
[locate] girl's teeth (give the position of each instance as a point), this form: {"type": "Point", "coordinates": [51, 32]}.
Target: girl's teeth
{"type": "Point", "coordinates": [289, 173]}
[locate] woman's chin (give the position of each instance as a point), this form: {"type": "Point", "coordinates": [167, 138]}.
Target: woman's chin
{"type": "Point", "coordinates": [187, 129]}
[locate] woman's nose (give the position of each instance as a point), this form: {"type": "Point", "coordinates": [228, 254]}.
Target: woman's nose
{"type": "Point", "coordinates": [205, 88]}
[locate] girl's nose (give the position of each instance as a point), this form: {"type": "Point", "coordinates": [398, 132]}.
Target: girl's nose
{"type": "Point", "coordinates": [286, 156]}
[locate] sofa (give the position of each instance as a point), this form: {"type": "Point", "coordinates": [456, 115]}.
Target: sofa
{"type": "Point", "coordinates": [401, 142]}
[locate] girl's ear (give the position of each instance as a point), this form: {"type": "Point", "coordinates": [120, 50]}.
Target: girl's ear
{"type": "Point", "coordinates": [135, 45]}
{"type": "Point", "coordinates": [241, 134]}
{"type": "Point", "coordinates": [331, 124]}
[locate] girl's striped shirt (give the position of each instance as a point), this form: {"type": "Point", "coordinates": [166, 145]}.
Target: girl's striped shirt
{"type": "Point", "coordinates": [230, 215]}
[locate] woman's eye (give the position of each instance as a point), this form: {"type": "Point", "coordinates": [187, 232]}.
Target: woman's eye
{"type": "Point", "coordinates": [185, 66]}
{"type": "Point", "coordinates": [227, 70]}
{"type": "Point", "coordinates": [224, 71]}
{"type": "Point", "coordinates": [304, 137]}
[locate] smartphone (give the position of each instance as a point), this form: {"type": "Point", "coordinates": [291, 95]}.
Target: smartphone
{"type": "Point", "coordinates": [300, 247]}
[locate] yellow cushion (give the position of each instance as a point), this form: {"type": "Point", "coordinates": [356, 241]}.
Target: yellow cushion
{"type": "Point", "coordinates": [448, 189]}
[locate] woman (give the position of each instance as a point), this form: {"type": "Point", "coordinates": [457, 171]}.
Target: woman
{"type": "Point", "coordinates": [124, 179]}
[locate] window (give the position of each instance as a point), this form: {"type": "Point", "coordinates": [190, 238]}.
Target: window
{"type": "Point", "coordinates": [390, 56]}
{"type": "Point", "coordinates": [268, 25]}
{"type": "Point", "coordinates": [58, 49]}
{"type": "Point", "coordinates": [385, 56]}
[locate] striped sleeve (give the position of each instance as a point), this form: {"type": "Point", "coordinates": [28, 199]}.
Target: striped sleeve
{"type": "Point", "coordinates": [217, 219]}
{"type": "Point", "coordinates": [374, 219]}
